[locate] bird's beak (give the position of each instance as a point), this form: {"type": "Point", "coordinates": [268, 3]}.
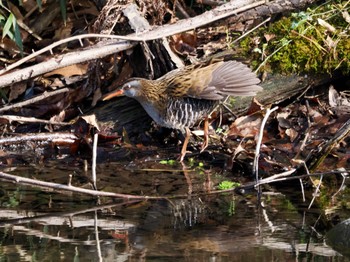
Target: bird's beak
{"type": "Point", "coordinates": [118, 92]}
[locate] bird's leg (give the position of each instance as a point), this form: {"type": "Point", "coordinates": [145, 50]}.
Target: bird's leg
{"type": "Point", "coordinates": [184, 146]}
{"type": "Point", "coordinates": [206, 132]}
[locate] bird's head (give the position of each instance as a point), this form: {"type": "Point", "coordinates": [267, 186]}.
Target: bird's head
{"type": "Point", "coordinates": [131, 88]}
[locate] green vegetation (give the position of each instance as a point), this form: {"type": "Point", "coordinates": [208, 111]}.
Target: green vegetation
{"type": "Point", "coordinates": [9, 25]}
{"type": "Point", "coordinates": [312, 41]}
{"type": "Point", "coordinates": [228, 185]}
{"type": "Point", "coordinates": [170, 162]}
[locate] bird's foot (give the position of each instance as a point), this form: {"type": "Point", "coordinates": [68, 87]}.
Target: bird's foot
{"type": "Point", "coordinates": [204, 145]}
{"type": "Point", "coordinates": [184, 146]}
{"type": "Point", "coordinates": [206, 134]}
{"type": "Point", "coordinates": [183, 154]}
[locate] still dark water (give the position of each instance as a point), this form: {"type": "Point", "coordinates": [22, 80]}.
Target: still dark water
{"type": "Point", "coordinates": [43, 225]}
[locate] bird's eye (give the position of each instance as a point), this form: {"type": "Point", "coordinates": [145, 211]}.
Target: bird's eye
{"type": "Point", "coordinates": [127, 87]}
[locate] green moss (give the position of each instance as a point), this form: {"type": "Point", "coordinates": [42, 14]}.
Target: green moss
{"type": "Point", "coordinates": [300, 44]}
{"type": "Point", "coordinates": [228, 185]}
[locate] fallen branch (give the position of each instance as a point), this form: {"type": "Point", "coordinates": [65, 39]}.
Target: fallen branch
{"type": "Point", "coordinates": [56, 137]}
{"type": "Point", "coordinates": [46, 185]}
{"type": "Point", "coordinates": [62, 61]}
{"type": "Point", "coordinates": [101, 50]}
{"type": "Point", "coordinates": [258, 143]}
{"type": "Point", "coordinates": [24, 119]}
{"type": "Point", "coordinates": [282, 177]}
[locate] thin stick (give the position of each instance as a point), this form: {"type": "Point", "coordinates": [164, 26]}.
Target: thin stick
{"type": "Point", "coordinates": [63, 41]}
{"type": "Point", "coordinates": [258, 144]}
{"type": "Point", "coordinates": [272, 54]}
{"type": "Point", "coordinates": [46, 185]}
{"type": "Point", "coordinates": [63, 61]}
{"type": "Point", "coordinates": [344, 175]}
{"type": "Point", "coordinates": [251, 30]}
{"type": "Point", "coordinates": [275, 178]}
{"type": "Point", "coordinates": [38, 183]}
{"type": "Point", "coordinates": [94, 156]}
{"type": "Point", "coordinates": [24, 119]}
{"type": "Point", "coordinates": [316, 192]}
{"type": "Point", "coordinates": [302, 189]}
{"type": "Point", "coordinates": [58, 136]}
{"type": "Point", "coordinates": [35, 99]}
{"type": "Point", "coordinates": [98, 245]}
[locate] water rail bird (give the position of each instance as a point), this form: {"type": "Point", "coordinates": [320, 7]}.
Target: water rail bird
{"type": "Point", "coordinates": [184, 96]}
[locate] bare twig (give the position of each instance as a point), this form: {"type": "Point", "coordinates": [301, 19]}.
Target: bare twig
{"type": "Point", "coordinates": [23, 119]}
{"type": "Point", "coordinates": [310, 40]}
{"type": "Point", "coordinates": [344, 175]}
{"type": "Point", "coordinates": [98, 245]}
{"type": "Point", "coordinates": [35, 99]}
{"type": "Point", "coordinates": [285, 176]}
{"type": "Point", "coordinates": [94, 156]}
{"type": "Point", "coordinates": [66, 137]}
{"type": "Point", "coordinates": [275, 178]}
{"type": "Point", "coordinates": [317, 190]}
{"type": "Point", "coordinates": [64, 41]}
{"type": "Point", "coordinates": [62, 61]}
{"type": "Point", "coordinates": [60, 187]}
{"type": "Point", "coordinates": [258, 144]}
{"type": "Point", "coordinates": [182, 10]}
{"type": "Point", "coordinates": [302, 189]}
{"type": "Point", "coordinates": [272, 54]}
{"type": "Point", "coordinates": [38, 183]}
{"type": "Point", "coordinates": [251, 30]}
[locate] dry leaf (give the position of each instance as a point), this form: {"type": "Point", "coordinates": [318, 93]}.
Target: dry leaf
{"type": "Point", "coordinates": [10, 46]}
{"type": "Point", "coordinates": [77, 69]}
{"type": "Point", "coordinates": [254, 107]}
{"type": "Point", "coordinates": [326, 25]}
{"type": "Point", "coordinates": [91, 120]}
{"type": "Point", "coordinates": [246, 126]}
{"type": "Point", "coordinates": [268, 37]}
{"type": "Point", "coordinates": [17, 89]}
{"type": "Point", "coordinates": [333, 97]}
{"type": "Point", "coordinates": [292, 133]}
{"type": "Point", "coordinates": [339, 102]}
{"type": "Point", "coordinates": [282, 119]}
{"type": "Point", "coordinates": [184, 43]}
{"type": "Point", "coordinates": [336, 99]}
{"type": "Point", "coordinates": [63, 31]}
{"type": "Point", "coordinates": [239, 149]}
{"type": "Point", "coordinates": [14, 9]}
{"type": "Point", "coordinates": [59, 118]}
{"type": "Point", "coordinates": [28, 5]}
{"type": "Point", "coordinates": [346, 16]}
{"type": "Point", "coordinates": [331, 44]}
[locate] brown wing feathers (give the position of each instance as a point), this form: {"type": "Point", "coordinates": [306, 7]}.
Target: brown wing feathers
{"type": "Point", "coordinates": [234, 78]}
{"type": "Point", "coordinates": [213, 82]}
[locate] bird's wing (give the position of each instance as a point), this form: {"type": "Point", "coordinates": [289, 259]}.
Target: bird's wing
{"type": "Point", "coordinates": [236, 79]}
{"type": "Point", "coordinates": [212, 82]}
